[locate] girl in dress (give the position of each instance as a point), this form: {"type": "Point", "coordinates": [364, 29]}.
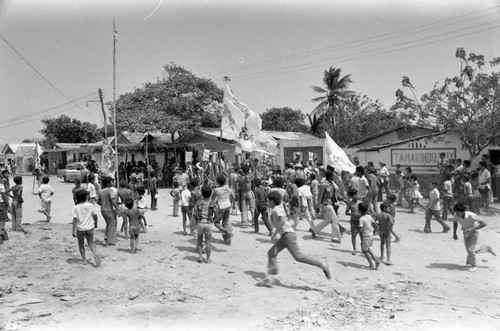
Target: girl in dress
{"type": "Point", "coordinates": [415, 194]}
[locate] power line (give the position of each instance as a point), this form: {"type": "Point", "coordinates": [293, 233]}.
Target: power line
{"type": "Point", "coordinates": [26, 119]}
{"type": "Point", "coordinates": [360, 42]}
{"type": "Point", "coordinates": [35, 70]}
{"type": "Point", "coordinates": [349, 57]}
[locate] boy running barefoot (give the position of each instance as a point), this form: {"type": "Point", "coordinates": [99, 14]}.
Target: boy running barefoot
{"type": "Point", "coordinates": [391, 200]}
{"type": "Point", "coordinates": [288, 239]}
{"type": "Point", "coordinates": [45, 192]}
{"type": "Point", "coordinates": [470, 223]}
{"type": "Point", "coordinates": [134, 218]}
{"type": "Point", "coordinates": [385, 224]}
{"type": "Point", "coordinates": [203, 215]}
{"type": "Point", "coordinates": [366, 225]}
{"type": "Point", "coordinates": [83, 225]}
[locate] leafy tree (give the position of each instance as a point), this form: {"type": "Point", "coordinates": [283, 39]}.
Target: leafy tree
{"type": "Point", "coordinates": [364, 117]}
{"type": "Point", "coordinates": [64, 129]}
{"type": "Point", "coordinates": [467, 105]}
{"type": "Point", "coordinates": [177, 102]}
{"type": "Point", "coordinates": [283, 119]}
{"type": "Point", "coordinates": [335, 93]}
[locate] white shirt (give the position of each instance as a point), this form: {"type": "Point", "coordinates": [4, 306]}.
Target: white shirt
{"type": "Point", "coordinates": [92, 191]}
{"type": "Point", "coordinates": [483, 176]}
{"type": "Point", "coordinates": [304, 192]}
{"type": "Point", "coordinates": [83, 213]}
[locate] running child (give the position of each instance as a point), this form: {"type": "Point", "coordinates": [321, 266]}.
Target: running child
{"type": "Point", "coordinates": [176, 194]}
{"type": "Point", "coordinates": [135, 223]}
{"type": "Point", "coordinates": [203, 216]}
{"type": "Point", "coordinates": [83, 225]}
{"type": "Point", "coordinates": [352, 211]}
{"type": "Point", "coordinates": [288, 240]}
{"type": "Point", "coordinates": [385, 223]}
{"type": "Point", "coordinates": [415, 195]}
{"type": "Point", "coordinates": [45, 192]}
{"type": "Point", "coordinates": [222, 196]}
{"type": "Point", "coordinates": [434, 209]}
{"type": "Point", "coordinates": [366, 225]}
{"type": "Point", "coordinates": [470, 223]}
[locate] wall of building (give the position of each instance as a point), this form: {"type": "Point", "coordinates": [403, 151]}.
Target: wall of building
{"type": "Point", "coordinates": [287, 148]}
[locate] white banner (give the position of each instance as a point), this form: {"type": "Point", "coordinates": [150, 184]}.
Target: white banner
{"type": "Point", "coordinates": [336, 157]}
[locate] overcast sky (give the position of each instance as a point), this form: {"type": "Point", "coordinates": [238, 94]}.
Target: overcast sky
{"type": "Point", "coordinates": [272, 51]}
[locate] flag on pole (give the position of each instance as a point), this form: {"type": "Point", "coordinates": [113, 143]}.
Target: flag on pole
{"type": "Point", "coordinates": [336, 157]}
{"type": "Point", "coordinates": [38, 154]}
{"type": "Point", "coordinates": [108, 164]}
{"type": "Point", "coordinates": [237, 119]}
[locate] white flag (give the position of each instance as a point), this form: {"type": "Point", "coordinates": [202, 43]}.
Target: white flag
{"type": "Point", "coordinates": [38, 154]}
{"type": "Point", "coordinates": [336, 157]}
{"type": "Point", "coordinates": [237, 119]}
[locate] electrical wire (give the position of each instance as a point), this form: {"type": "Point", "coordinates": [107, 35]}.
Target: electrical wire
{"type": "Point", "coordinates": [35, 70]}
{"type": "Point", "coordinates": [361, 42]}
{"type": "Point", "coordinates": [349, 57]}
{"type": "Point", "coordinates": [27, 119]}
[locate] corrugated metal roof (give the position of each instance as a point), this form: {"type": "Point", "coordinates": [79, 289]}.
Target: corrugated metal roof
{"type": "Point", "coordinates": [288, 135]}
{"type": "Point", "coordinates": [379, 147]}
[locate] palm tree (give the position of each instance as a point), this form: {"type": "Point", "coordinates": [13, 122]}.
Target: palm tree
{"type": "Point", "coordinates": [335, 93]}
{"type": "Point", "coordinates": [315, 124]}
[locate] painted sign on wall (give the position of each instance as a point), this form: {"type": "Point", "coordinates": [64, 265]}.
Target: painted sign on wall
{"type": "Point", "coordinates": [420, 157]}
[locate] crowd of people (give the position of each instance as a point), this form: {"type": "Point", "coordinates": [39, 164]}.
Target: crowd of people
{"type": "Point", "coordinates": [281, 199]}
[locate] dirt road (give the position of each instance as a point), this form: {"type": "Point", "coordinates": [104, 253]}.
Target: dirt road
{"type": "Point", "coordinates": [44, 285]}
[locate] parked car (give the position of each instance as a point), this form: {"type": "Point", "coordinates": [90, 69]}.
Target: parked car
{"type": "Point", "coordinates": [73, 171]}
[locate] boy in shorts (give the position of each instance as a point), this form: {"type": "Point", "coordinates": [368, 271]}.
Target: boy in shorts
{"type": "Point", "coordinates": [203, 216]}
{"type": "Point", "coordinates": [288, 239]}
{"type": "Point", "coordinates": [134, 219]}
{"type": "Point", "coordinates": [385, 223]}
{"type": "Point", "coordinates": [83, 225]}
{"type": "Point", "coordinates": [45, 192]}
{"type": "Point", "coordinates": [352, 210]}
{"type": "Point", "coordinates": [366, 226]}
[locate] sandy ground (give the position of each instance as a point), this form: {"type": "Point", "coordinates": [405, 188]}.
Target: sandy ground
{"type": "Point", "coordinates": [44, 285]}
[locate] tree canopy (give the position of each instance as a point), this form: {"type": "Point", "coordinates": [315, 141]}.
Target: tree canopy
{"type": "Point", "coordinates": [64, 129]}
{"type": "Point", "coordinates": [175, 103]}
{"type": "Point", "coordinates": [283, 119]}
{"type": "Point", "coordinates": [363, 116]}
{"type": "Point", "coordinates": [467, 104]}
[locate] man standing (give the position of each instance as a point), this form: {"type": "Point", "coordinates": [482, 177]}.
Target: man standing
{"type": "Point", "coordinates": [484, 184]}
{"type": "Point", "coordinates": [109, 210]}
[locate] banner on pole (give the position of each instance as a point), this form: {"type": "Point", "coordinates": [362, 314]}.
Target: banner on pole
{"type": "Point", "coordinates": [336, 157]}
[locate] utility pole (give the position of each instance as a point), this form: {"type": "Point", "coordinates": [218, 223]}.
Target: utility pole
{"type": "Point", "coordinates": [104, 115]}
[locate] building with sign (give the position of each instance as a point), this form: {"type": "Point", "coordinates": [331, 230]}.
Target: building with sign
{"type": "Point", "coordinates": [23, 154]}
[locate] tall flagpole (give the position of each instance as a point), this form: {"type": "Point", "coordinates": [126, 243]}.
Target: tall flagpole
{"type": "Point", "coordinates": [115, 38]}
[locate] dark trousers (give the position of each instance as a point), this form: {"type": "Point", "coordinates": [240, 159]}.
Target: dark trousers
{"type": "Point", "coordinates": [225, 227]}
{"type": "Point", "coordinates": [265, 217]}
